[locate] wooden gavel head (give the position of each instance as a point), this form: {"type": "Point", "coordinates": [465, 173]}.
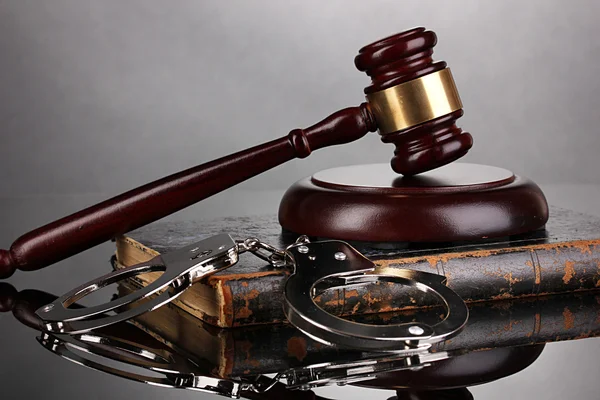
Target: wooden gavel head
{"type": "Point", "coordinates": [414, 101]}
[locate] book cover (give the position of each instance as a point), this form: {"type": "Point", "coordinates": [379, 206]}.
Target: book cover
{"type": "Point", "coordinates": [565, 257]}
{"type": "Point", "coordinates": [265, 349]}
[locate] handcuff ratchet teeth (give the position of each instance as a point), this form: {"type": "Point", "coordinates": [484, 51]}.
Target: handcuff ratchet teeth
{"type": "Point", "coordinates": [313, 264]}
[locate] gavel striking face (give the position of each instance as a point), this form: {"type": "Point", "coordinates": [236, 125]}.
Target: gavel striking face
{"type": "Point", "coordinates": [412, 101]}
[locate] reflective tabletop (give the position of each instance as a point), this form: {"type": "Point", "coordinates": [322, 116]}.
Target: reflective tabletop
{"type": "Point", "coordinates": [556, 370]}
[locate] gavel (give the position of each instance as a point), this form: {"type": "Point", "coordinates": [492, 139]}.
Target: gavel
{"type": "Point", "coordinates": [412, 101]}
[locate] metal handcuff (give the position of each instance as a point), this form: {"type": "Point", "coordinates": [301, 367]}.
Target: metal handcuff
{"type": "Point", "coordinates": [317, 266]}
{"type": "Point", "coordinates": [165, 367]}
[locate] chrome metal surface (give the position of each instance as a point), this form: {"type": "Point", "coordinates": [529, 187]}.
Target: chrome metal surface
{"type": "Point", "coordinates": [363, 369]}
{"type": "Point", "coordinates": [316, 268]}
{"type": "Point", "coordinates": [165, 367]}
{"type": "Point", "coordinates": [116, 357]}
{"type": "Point", "coordinates": [53, 379]}
{"type": "Point", "coordinates": [263, 250]}
{"type": "Point", "coordinates": [181, 269]}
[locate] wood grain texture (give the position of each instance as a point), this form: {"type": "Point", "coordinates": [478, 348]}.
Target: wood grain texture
{"type": "Point", "coordinates": [398, 59]}
{"type": "Point", "coordinates": [94, 225]}
{"type": "Point", "coordinates": [369, 203]}
{"type": "Point", "coordinates": [562, 258]}
{"type": "Point", "coordinates": [391, 61]}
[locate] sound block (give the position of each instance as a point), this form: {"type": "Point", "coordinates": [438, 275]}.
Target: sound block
{"type": "Point", "coordinates": [371, 203]}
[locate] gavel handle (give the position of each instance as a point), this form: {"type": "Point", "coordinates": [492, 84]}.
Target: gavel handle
{"type": "Point", "coordinates": [94, 225]}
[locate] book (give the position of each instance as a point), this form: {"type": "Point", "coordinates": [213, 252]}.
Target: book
{"type": "Point", "coordinates": [565, 257]}
{"type": "Point", "coordinates": [272, 348]}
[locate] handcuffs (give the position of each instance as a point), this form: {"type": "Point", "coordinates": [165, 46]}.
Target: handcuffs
{"type": "Point", "coordinates": [164, 367]}
{"type": "Point", "coordinates": [317, 266]}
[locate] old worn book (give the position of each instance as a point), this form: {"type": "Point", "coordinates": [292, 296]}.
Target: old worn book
{"type": "Point", "coordinates": [565, 257]}
{"type": "Point", "coordinates": [265, 349]}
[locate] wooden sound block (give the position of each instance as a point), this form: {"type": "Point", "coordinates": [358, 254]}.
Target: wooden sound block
{"type": "Point", "coordinates": [371, 203]}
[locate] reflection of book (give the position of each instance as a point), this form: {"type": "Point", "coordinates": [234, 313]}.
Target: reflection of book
{"type": "Point", "coordinates": [275, 347]}
{"type": "Point", "coordinates": [565, 257]}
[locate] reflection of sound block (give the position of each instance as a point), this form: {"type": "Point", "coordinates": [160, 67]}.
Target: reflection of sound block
{"type": "Point", "coordinates": [473, 368]}
{"type": "Point", "coordinates": [370, 203]}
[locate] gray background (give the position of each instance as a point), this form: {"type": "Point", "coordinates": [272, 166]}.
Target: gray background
{"type": "Point", "coordinates": [101, 96]}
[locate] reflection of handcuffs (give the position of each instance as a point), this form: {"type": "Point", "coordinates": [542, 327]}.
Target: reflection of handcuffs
{"type": "Point", "coordinates": [317, 266]}
{"type": "Point", "coordinates": [163, 367]}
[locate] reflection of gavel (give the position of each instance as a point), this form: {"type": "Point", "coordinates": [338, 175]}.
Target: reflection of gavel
{"type": "Point", "coordinates": [412, 101]}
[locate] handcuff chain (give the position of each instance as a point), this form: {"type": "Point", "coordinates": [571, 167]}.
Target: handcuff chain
{"type": "Point", "coordinates": [261, 387]}
{"type": "Point", "coordinates": [274, 256]}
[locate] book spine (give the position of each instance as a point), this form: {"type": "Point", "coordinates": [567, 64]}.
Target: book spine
{"type": "Point", "coordinates": [480, 275]}
{"type": "Point", "coordinates": [503, 324]}
{"type": "Point", "coordinates": [276, 347]}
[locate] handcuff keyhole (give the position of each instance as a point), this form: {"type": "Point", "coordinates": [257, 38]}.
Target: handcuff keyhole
{"type": "Point", "coordinates": [198, 255]}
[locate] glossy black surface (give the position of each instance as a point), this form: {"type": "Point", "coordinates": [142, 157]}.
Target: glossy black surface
{"type": "Point", "coordinates": [562, 370]}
